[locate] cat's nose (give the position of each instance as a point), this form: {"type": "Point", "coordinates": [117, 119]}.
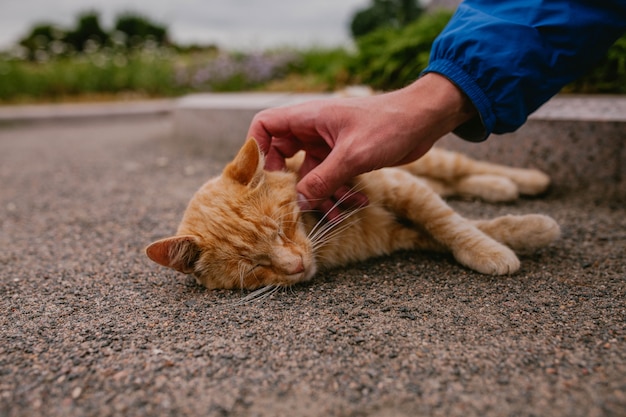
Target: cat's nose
{"type": "Point", "coordinates": [297, 267]}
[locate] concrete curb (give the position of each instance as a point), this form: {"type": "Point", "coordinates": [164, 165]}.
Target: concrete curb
{"type": "Point", "coordinates": [42, 113]}
{"type": "Point", "coordinates": [578, 140]}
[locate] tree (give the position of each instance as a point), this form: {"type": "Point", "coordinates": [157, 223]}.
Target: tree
{"type": "Point", "coordinates": [40, 38]}
{"type": "Point", "coordinates": [137, 30]}
{"type": "Point", "coordinates": [87, 29]}
{"type": "Point", "coordinates": [383, 13]}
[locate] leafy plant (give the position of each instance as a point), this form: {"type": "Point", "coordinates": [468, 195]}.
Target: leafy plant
{"type": "Point", "coordinates": [222, 71]}
{"type": "Point", "coordinates": [148, 73]}
{"type": "Point", "coordinates": [391, 58]}
{"type": "Point", "coordinates": [136, 30]}
{"type": "Point", "coordinates": [326, 68]}
{"type": "Point", "coordinates": [608, 76]}
{"type": "Point", "coordinates": [384, 13]}
{"type": "Point", "coordinates": [87, 30]}
{"type": "Point", "coordinates": [130, 30]}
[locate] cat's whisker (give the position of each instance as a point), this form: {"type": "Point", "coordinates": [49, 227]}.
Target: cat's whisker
{"type": "Point", "coordinates": [323, 221]}
{"type": "Point", "coordinates": [260, 294]}
{"type": "Point", "coordinates": [241, 271]}
{"type": "Point", "coordinates": [333, 228]}
{"type": "Point", "coordinates": [324, 240]}
{"type": "Point", "coordinates": [324, 218]}
{"type": "Point", "coordinates": [330, 234]}
{"type": "Point", "coordinates": [244, 270]}
{"type": "Point", "coordinates": [314, 230]}
{"type": "Point", "coordinates": [336, 226]}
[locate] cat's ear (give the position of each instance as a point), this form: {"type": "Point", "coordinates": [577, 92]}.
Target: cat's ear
{"type": "Point", "coordinates": [247, 167]}
{"type": "Point", "coordinates": [178, 252]}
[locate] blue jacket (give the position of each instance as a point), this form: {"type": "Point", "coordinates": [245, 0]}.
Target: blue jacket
{"type": "Point", "coordinates": [511, 56]}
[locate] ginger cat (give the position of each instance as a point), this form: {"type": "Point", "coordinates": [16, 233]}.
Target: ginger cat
{"type": "Point", "coordinates": [244, 229]}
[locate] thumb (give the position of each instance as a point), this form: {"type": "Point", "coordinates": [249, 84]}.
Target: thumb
{"type": "Point", "coordinates": [323, 180]}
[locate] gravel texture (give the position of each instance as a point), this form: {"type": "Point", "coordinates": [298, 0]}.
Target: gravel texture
{"type": "Point", "coordinates": [90, 327]}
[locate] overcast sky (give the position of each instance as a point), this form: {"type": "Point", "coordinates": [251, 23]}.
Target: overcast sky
{"type": "Point", "coordinates": [239, 24]}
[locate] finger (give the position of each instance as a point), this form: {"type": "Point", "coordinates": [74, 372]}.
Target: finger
{"type": "Point", "coordinates": [280, 149]}
{"type": "Point", "coordinates": [272, 134]}
{"type": "Point", "coordinates": [279, 122]}
{"type": "Point", "coordinates": [328, 207]}
{"type": "Point", "coordinates": [274, 160]}
{"type": "Point", "coordinates": [323, 180]}
{"type": "Point", "coordinates": [331, 210]}
{"type": "Point", "coordinates": [262, 130]}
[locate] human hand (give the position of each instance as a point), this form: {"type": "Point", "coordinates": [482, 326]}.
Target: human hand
{"type": "Point", "coordinates": [345, 137]}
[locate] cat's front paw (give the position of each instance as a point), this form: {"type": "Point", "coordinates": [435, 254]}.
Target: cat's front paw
{"type": "Point", "coordinates": [489, 257]}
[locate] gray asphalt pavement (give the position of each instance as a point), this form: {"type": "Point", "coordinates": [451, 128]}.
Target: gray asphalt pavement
{"type": "Point", "coordinates": [90, 327]}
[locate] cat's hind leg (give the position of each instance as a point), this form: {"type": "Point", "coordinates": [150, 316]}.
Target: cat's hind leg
{"type": "Point", "coordinates": [453, 167]}
{"type": "Point", "coordinates": [487, 187]}
{"type": "Point", "coordinates": [490, 188]}
{"type": "Point", "coordinates": [523, 234]}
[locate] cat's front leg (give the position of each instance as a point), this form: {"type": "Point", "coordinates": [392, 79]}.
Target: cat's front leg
{"type": "Point", "coordinates": [483, 254]}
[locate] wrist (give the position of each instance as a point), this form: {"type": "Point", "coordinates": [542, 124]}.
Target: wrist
{"type": "Point", "coordinates": [442, 100]}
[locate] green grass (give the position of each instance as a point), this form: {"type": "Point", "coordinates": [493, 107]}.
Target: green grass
{"type": "Point", "coordinates": [145, 74]}
{"type": "Point", "coordinates": [385, 60]}
{"type": "Point", "coordinates": [154, 73]}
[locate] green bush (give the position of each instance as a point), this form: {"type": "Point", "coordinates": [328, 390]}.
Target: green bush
{"type": "Point", "coordinates": [150, 74]}
{"type": "Point", "coordinates": [384, 13]}
{"type": "Point", "coordinates": [146, 72]}
{"type": "Point", "coordinates": [386, 59]}
{"type": "Point", "coordinates": [391, 58]}
{"type": "Point", "coordinates": [608, 76]}
{"type": "Point", "coordinates": [223, 71]}
{"type": "Point", "coordinates": [131, 31]}
{"type": "Point", "coordinates": [327, 66]}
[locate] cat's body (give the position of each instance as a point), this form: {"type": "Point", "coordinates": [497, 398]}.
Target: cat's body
{"type": "Point", "coordinates": [243, 229]}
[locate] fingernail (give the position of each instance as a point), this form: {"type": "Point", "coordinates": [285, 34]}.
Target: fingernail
{"type": "Point", "coordinates": [303, 203]}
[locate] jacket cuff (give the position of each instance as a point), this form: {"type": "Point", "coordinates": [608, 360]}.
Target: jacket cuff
{"type": "Point", "coordinates": [479, 128]}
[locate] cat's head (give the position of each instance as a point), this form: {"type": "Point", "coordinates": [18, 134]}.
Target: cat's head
{"type": "Point", "coordinates": [241, 229]}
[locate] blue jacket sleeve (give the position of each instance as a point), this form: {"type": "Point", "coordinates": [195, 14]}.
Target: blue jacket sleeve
{"type": "Point", "coordinates": [511, 56]}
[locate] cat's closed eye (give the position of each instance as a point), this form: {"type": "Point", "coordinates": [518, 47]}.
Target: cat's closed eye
{"type": "Point", "coordinates": [263, 260]}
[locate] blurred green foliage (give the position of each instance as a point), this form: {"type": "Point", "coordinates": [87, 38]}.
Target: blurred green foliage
{"type": "Point", "coordinates": [129, 31]}
{"type": "Point", "coordinates": [87, 30]}
{"type": "Point", "coordinates": [144, 73]}
{"type": "Point", "coordinates": [384, 13]}
{"type": "Point", "coordinates": [607, 77]}
{"type": "Point", "coordinates": [135, 30]}
{"type": "Point", "coordinates": [326, 68]}
{"type": "Point", "coordinates": [150, 71]}
{"type": "Point", "coordinates": [137, 58]}
{"type": "Point", "coordinates": [390, 58]}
